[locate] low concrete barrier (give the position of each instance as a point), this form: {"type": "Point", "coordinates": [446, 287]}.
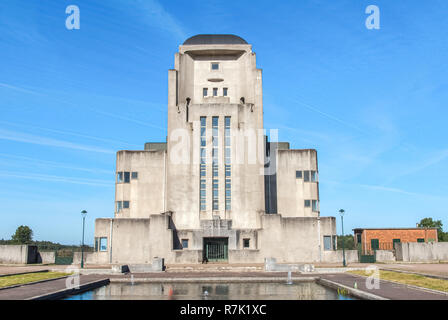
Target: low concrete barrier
{"type": "Point", "coordinates": [385, 256]}
{"type": "Point", "coordinates": [421, 252]}
{"type": "Point", "coordinates": [334, 256]}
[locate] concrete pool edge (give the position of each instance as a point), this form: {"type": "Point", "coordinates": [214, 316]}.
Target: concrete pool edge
{"type": "Point", "coordinates": [71, 291]}
{"type": "Point", "coordinates": [352, 291]}
{"type": "Point", "coordinates": [212, 280]}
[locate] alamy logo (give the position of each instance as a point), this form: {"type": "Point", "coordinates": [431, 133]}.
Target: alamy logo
{"type": "Point", "coordinates": [373, 279]}
{"type": "Point", "coordinates": [73, 20]}
{"type": "Point", "coordinates": [373, 20]}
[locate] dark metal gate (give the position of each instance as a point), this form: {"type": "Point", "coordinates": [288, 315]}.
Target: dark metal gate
{"type": "Point", "coordinates": [216, 249]}
{"type": "Point", "coordinates": [63, 257]}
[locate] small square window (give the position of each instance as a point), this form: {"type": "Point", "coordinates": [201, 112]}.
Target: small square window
{"type": "Point", "coordinates": [246, 243]}
{"type": "Point", "coordinates": [126, 204]}
{"type": "Point", "coordinates": [215, 66]}
{"type": "Point", "coordinates": [315, 205]}
{"type": "Point", "coordinates": [298, 174]}
{"type": "Point", "coordinates": [307, 203]}
{"type": "Point", "coordinates": [314, 176]}
{"type": "Point", "coordinates": [224, 92]}
{"type": "Point", "coordinates": [215, 92]}
{"type": "Point", "coordinates": [103, 244]}
{"type": "Point", "coordinates": [127, 177]}
{"type": "Point", "coordinates": [119, 177]}
{"type": "Point", "coordinates": [204, 93]}
{"type": "Point", "coordinates": [134, 175]}
{"type": "Point", "coordinates": [327, 242]}
{"type": "Point", "coordinates": [306, 176]}
{"type": "Point", "coordinates": [184, 243]}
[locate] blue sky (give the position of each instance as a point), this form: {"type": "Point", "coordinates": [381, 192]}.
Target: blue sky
{"type": "Point", "coordinates": [372, 102]}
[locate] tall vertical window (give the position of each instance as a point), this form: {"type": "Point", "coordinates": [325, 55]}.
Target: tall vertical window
{"type": "Point", "coordinates": [215, 162]}
{"type": "Point", "coordinates": [228, 169]}
{"type": "Point", "coordinates": [202, 168]}
{"type": "Point", "coordinates": [215, 92]}
{"type": "Point", "coordinates": [224, 92]}
{"type": "Point", "coordinates": [204, 92]}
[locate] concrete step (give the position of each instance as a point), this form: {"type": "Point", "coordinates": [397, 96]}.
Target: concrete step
{"type": "Point", "coordinates": [213, 267]}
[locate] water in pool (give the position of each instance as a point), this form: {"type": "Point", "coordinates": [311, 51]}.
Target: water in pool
{"type": "Point", "coordinates": [211, 291]}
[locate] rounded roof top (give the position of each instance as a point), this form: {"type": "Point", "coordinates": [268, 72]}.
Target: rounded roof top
{"type": "Point", "coordinates": [214, 39]}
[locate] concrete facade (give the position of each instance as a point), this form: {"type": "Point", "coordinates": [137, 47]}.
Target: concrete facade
{"type": "Point", "coordinates": [217, 178]}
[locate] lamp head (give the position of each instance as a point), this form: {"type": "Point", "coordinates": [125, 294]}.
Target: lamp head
{"type": "Point", "coordinates": [341, 212]}
{"type": "Point", "coordinates": [83, 213]}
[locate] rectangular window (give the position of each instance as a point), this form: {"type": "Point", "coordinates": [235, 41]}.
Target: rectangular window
{"type": "Point", "coordinates": [103, 244]}
{"type": "Point", "coordinates": [313, 176]}
{"type": "Point", "coordinates": [227, 168]}
{"type": "Point", "coordinates": [215, 66]}
{"type": "Point", "coordinates": [97, 244]}
{"type": "Point", "coordinates": [327, 242]}
{"type": "Point", "coordinates": [119, 206]}
{"type": "Point", "coordinates": [358, 238]}
{"type": "Point", "coordinates": [119, 177]}
{"type": "Point", "coordinates": [306, 176]}
{"type": "Point", "coordinates": [125, 204]}
{"type": "Point", "coordinates": [184, 243]}
{"type": "Point", "coordinates": [334, 242]}
{"type": "Point", "coordinates": [202, 167]}
{"type": "Point", "coordinates": [224, 92]}
{"type": "Point", "coordinates": [307, 203]}
{"type": "Point", "coordinates": [134, 175]}
{"type": "Point", "coordinates": [127, 177]}
{"type": "Point", "coordinates": [205, 92]}
{"type": "Point", "coordinates": [215, 133]}
{"type": "Point", "coordinates": [420, 240]}
{"type": "Point", "coordinates": [215, 92]}
{"type": "Point", "coordinates": [246, 243]}
{"type": "Point", "coordinates": [375, 243]}
{"type": "Point", "coordinates": [298, 174]}
{"type": "Point", "coordinates": [315, 205]}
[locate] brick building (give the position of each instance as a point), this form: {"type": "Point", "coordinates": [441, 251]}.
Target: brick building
{"type": "Point", "coordinates": [384, 238]}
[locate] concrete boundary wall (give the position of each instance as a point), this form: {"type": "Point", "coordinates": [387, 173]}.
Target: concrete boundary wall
{"type": "Point", "coordinates": [421, 252]}
{"type": "Point", "coordinates": [14, 254]}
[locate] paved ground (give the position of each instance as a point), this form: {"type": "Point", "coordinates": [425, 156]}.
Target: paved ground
{"type": "Point", "coordinates": [438, 269]}
{"type": "Point", "coordinates": [386, 289]}
{"type": "Point", "coordinates": [33, 290]}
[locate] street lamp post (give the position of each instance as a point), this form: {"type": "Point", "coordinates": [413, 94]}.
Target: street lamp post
{"type": "Point", "coordinates": [341, 212]}
{"type": "Point", "coordinates": [83, 214]}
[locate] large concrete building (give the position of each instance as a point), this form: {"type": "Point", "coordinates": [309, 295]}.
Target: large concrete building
{"type": "Point", "coordinates": [217, 188]}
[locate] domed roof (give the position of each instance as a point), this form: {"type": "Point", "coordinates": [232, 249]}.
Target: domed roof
{"type": "Point", "coordinates": [214, 39]}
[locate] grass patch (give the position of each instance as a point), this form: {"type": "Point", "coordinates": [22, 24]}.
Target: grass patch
{"type": "Point", "coordinates": [408, 278]}
{"type": "Point", "coordinates": [12, 280]}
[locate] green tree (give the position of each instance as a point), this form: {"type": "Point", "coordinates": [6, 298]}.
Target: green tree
{"type": "Point", "coordinates": [349, 242]}
{"type": "Point", "coordinates": [430, 223]}
{"type": "Point", "coordinates": [23, 235]}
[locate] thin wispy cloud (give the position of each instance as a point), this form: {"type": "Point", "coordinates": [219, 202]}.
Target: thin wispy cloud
{"type": "Point", "coordinates": [70, 133]}
{"type": "Point", "coordinates": [19, 89]}
{"type": "Point", "coordinates": [43, 141]}
{"type": "Point", "coordinates": [52, 178]}
{"type": "Point", "coordinates": [30, 161]}
{"type": "Point", "coordinates": [385, 189]}
{"type": "Point", "coordinates": [158, 16]}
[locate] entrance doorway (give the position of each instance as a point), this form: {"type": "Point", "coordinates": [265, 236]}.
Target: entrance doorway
{"type": "Point", "coordinates": [216, 249]}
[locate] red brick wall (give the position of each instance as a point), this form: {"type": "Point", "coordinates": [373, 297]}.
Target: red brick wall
{"type": "Point", "coordinates": [405, 235]}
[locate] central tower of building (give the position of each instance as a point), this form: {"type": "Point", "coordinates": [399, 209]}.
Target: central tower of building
{"type": "Point", "coordinates": [215, 104]}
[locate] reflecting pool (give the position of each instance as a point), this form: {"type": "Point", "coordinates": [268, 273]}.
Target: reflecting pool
{"type": "Point", "coordinates": [212, 291]}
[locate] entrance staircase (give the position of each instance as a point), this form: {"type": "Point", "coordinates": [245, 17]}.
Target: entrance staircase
{"type": "Point", "coordinates": [214, 267]}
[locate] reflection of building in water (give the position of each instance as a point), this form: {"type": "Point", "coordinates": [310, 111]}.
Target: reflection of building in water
{"type": "Point", "coordinates": [206, 192]}
{"type": "Point", "coordinates": [231, 291]}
